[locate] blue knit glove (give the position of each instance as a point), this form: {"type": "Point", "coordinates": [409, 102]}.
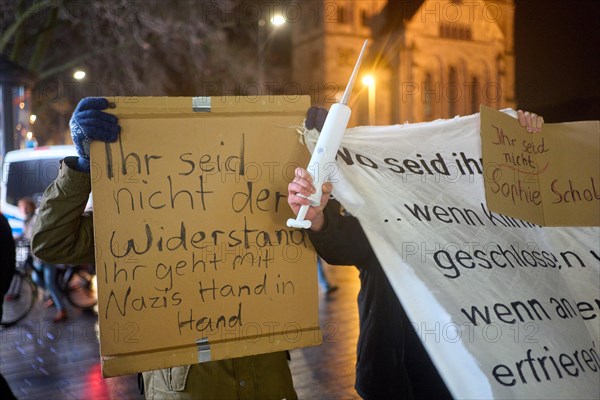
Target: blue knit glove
{"type": "Point", "coordinates": [90, 123]}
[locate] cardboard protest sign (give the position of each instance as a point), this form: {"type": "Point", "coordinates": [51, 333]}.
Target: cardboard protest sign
{"type": "Point", "coordinates": [550, 178]}
{"type": "Point", "coordinates": [505, 308]}
{"type": "Point", "coordinates": [194, 260]}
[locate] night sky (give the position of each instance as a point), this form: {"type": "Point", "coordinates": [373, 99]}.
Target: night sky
{"type": "Point", "coordinates": [557, 46]}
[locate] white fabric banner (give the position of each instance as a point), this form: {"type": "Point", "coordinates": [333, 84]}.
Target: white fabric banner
{"type": "Point", "coordinates": [505, 308]}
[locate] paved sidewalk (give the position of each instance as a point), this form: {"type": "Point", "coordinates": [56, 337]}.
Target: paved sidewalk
{"type": "Point", "coordinates": [43, 360]}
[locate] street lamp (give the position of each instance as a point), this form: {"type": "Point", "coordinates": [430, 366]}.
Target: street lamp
{"type": "Point", "coordinates": [79, 75]}
{"type": "Point", "coordinates": [276, 21]}
{"type": "Point", "coordinates": [369, 82]}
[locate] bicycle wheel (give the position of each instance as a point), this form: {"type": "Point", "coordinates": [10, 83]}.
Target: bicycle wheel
{"type": "Point", "coordinates": [81, 289]}
{"type": "Point", "coordinates": [19, 299]}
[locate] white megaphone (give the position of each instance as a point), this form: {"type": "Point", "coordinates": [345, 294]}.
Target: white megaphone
{"type": "Point", "coordinates": [323, 156]}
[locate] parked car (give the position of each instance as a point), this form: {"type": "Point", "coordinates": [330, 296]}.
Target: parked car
{"type": "Point", "coordinates": [27, 173]}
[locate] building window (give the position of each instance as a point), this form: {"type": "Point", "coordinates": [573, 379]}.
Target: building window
{"type": "Point", "coordinates": [428, 97]}
{"type": "Point", "coordinates": [350, 13]}
{"type": "Point", "coordinates": [342, 15]}
{"type": "Point", "coordinates": [452, 93]}
{"type": "Point", "coordinates": [475, 95]}
{"type": "Point", "coordinates": [455, 31]}
{"type": "Point", "coordinates": [365, 19]}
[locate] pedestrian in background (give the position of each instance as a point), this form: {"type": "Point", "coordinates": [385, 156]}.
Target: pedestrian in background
{"type": "Point", "coordinates": [45, 276]}
{"type": "Point", "coordinates": [324, 283]}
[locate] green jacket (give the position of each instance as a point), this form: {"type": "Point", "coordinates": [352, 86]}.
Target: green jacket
{"type": "Point", "coordinates": [64, 235]}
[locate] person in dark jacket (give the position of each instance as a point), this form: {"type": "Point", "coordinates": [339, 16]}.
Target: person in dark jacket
{"type": "Point", "coordinates": [391, 361]}
{"type": "Point", "coordinates": [7, 270]}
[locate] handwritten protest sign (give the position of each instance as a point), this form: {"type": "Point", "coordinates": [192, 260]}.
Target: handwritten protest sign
{"type": "Point", "coordinates": [550, 178]}
{"type": "Point", "coordinates": [194, 260]}
{"type": "Point", "coordinates": [505, 308]}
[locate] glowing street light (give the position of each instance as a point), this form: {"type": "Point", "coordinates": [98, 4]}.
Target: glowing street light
{"type": "Point", "coordinates": [79, 75]}
{"type": "Point", "coordinates": [278, 20]}
{"type": "Point", "coordinates": [369, 82]}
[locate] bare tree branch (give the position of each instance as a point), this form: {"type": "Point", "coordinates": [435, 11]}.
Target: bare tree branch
{"type": "Point", "coordinates": [130, 47]}
{"type": "Point", "coordinates": [12, 29]}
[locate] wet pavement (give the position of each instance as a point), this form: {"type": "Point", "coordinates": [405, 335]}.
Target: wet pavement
{"type": "Point", "coordinates": [45, 360]}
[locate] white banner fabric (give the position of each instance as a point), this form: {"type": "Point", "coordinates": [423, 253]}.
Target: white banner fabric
{"type": "Point", "coordinates": [505, 308]}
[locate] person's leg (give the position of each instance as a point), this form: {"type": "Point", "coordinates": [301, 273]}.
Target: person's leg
{"type": "Point", "coordinates": [425, 380]}
{"type": "Point", "coordinates": [50, 281]}
{"type": "Point", "coordinates": [38, 275]}
{"type": "Point", "coordinates": [321, 275]}
{"type": "Point", "coordinates": [323, 281]}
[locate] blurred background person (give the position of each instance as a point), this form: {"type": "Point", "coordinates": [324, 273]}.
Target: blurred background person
{"type": "Point", "coordinates": [45, 276]}
{"type": "Point", "coordinates": [325, 285]}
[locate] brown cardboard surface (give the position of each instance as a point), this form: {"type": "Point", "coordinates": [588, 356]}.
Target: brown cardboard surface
{"type": "Point", "coordinates": [550, 178]}
{"type": "Point", "coordinates": [194, 258]}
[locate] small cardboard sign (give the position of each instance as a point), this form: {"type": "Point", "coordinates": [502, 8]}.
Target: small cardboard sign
{"type": "Point", "coordinates": [194, 259]}
{"type": "Point", "coordinates": [549, 178]}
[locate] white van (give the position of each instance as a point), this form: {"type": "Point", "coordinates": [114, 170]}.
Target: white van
{"type": "Point", "coordinates": [27, 173]}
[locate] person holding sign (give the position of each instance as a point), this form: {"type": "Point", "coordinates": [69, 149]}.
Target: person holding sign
{"type": "Point", "coordinates": [391, 360]}
{"type": "Point", "coordinates": [64, 235]}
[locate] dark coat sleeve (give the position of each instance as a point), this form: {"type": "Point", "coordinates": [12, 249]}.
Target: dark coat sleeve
{"type": "Point", "coordinates": [7, 255]}
{"type": "Point", "coordinates": [342, 241]}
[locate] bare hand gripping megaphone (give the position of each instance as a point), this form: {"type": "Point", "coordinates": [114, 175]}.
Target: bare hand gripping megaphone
{"type": "Point", "coordinates": [323, 156]}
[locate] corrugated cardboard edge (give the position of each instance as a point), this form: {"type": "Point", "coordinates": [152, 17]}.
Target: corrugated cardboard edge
{"type": "Point", "coordinates": [127, 106]}
{"type": "Point", "coordinates": [146, 107]}
{"type": "Point", "coordinates": [277, 341]}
